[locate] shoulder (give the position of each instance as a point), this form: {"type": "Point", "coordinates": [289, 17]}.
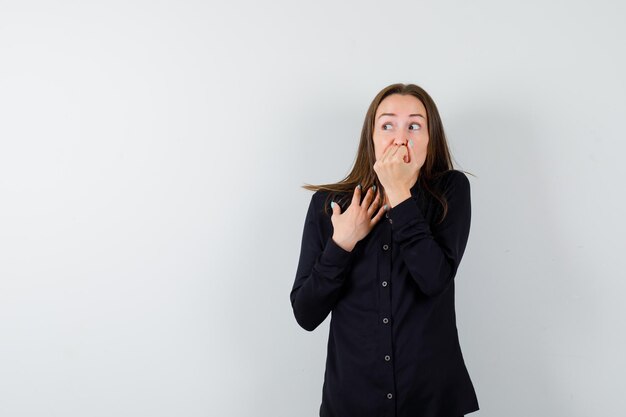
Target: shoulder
{"type": "Point", "coordinates": [455, 175]}
{"type": "Point", "coordinates": [455, 179]}
{"type": "Point", "coordinates": [319, 206]}
{"type": "Point", "coordinates": [319, 199]}
{"type": "Point", "coordinates": [456, 188]}
{"type": "Point", "coordinates": [319, 212]}
{"type": "Point", "coordinates": [322, 198]}
{"type": "Point", "coordinates": [453, 184]}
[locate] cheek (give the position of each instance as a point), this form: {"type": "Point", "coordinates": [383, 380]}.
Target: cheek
{"type": "Point", "coordinates": [423, 143]}
{"type": "Point", "coordinates": [379, 146]}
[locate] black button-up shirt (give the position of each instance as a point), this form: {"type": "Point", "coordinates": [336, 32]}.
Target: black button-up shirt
{"type": "Point", "coordinates": [393, 348]}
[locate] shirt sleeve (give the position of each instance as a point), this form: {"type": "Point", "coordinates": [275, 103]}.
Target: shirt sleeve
{"type": "Point", "coordinates": [433, 254]}
{"type": "Point", "coordinates": [321, 272]}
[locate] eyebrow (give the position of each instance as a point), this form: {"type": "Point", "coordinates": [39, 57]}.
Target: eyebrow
{"type": "Point", "coordinates": [393, 114]}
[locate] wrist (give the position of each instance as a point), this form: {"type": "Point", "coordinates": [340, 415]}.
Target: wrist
{"type": "Point", "coordinates": [398, 197]}
{"type": "Point", "coordinates": [345, 244]}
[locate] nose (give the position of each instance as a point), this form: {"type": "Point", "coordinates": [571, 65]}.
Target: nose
{"type": "Point", "coordinates": [399, 140]}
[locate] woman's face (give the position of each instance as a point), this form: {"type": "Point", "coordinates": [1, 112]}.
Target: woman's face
{"type": "Point", "coordinates": [398, 119]}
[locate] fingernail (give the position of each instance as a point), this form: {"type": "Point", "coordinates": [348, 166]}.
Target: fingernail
{"type": "Point", "coordinates": [332, 204]}
{"type": "Point", "coordinates": [385, 207]}
{"type": "Point", "coordinates": [411, 142]}
{"type": "Point", "coordinates": [359, 186]}
{"type": "Point", "coordinates": [373, 187]}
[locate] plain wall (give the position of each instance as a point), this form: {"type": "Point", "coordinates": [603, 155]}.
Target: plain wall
{"type": "Point", "coordinates": [149, 150]}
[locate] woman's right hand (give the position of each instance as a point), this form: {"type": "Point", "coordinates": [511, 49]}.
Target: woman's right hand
{"type": "Point", "coordinates": [353, 225]}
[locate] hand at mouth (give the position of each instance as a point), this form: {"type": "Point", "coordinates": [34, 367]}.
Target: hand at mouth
{"type": "Point", "coordinates": [407, 157]}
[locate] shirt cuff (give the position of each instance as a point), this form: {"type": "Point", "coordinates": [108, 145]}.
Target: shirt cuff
{"type": "Point", "coordinates": [408, 213]}
{"type": "Point", "coordinates": [335, 256]}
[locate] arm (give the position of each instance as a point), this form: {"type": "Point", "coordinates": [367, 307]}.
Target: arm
{"type": "Point", "coordinates": [432, 255]}
{"type": "Point", "coordinates": [320, 274]}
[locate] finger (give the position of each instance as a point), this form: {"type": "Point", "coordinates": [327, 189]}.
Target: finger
{"type": "Point", "coordinates": [412, 152]}
{"type": "Point", "coordinates": [387, 152]}
{"type": "Point", "coordinates": [408, 157]}
{"type": "Point", "coordinates": [378, 215]}
{"type": "Point", "coordinates": [335, 208]}
{"type": "Point", "coordinates": [368, 197]}
{"type": "Point", "coordinates": [394, 156]}
{"type": "Point", "coordinates": [375, 204]}
{"type": "Point", "coordinates": [403, 155]}
{"type": "Point", "coordinates": [356, 196]}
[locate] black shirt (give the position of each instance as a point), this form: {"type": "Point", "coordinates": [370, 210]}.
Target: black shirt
{"type": "Point", "coordinates": [393, 348]}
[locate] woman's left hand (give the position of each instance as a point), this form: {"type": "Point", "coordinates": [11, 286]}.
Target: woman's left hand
{"type": "Point", "coordinates": [398, 169]}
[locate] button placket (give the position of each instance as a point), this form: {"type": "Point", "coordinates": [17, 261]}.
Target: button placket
{"type": "Point", "coordinates": [385, 270]}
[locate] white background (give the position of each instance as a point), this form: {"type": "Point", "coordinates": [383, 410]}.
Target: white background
{"type": "Point", "coordinates": [151, 159]}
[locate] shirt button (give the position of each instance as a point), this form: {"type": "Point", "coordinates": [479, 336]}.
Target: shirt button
{"type": "Point", "coordinates": [387, 358]}
{"type": "Point", "coordinates": [384, 283]}
{"type": "Point", "coordinates": [385, 320]}
{"type": "Point", "coordinates": [389, 395]}
{"type": "Point", "coordinates": [385, 246]}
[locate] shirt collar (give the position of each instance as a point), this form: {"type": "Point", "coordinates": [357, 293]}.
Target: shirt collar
{"type": "Point", "coordinates": [414, 189]}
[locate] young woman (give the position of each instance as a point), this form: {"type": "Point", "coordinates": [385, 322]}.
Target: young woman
{"type": "Point", "coordinates": [380, 249]}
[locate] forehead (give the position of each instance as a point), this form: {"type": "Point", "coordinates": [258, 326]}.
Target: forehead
{"type": "Point", "coordinates": [401, 105]}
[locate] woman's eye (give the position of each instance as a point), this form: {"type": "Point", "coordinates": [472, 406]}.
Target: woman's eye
{"type": "Point", "coordinates": [388, 124]}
